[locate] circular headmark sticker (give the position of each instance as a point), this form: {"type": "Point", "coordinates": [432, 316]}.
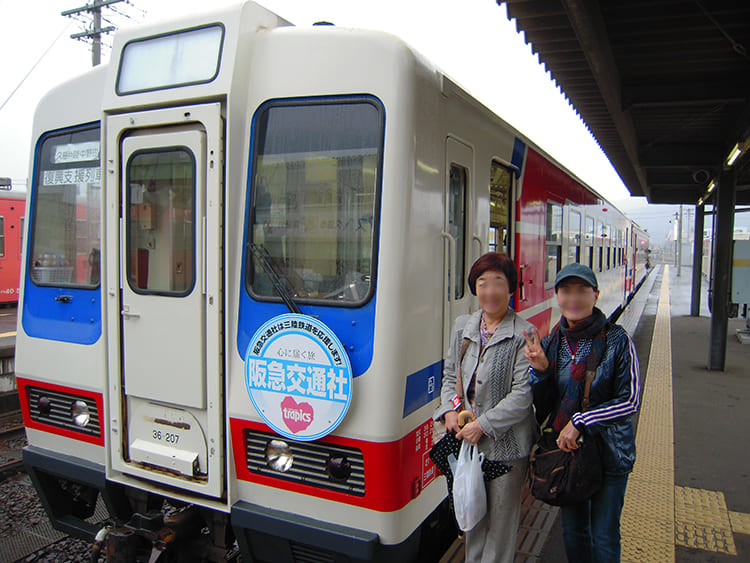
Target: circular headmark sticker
{"type": "Point", "coordinates": [298, 376]}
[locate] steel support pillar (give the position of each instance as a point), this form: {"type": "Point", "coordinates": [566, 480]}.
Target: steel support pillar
{"type": "Point", "coordinates": [695, 298]}
{"type": "Point", "coordinates": [722, 269]}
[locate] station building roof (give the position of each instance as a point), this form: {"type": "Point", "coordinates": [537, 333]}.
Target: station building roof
{"type": "Point", "coordinates": [663, 85]}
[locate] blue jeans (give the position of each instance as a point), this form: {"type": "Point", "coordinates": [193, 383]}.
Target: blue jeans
{"type": "Point", "coordinates": [591, 529]}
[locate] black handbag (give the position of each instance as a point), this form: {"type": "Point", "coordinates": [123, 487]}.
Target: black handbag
{"type": "Point", "coordinates": [562, 478]}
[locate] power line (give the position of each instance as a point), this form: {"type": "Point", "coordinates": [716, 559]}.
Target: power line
{"type": "Point", "coordinates": [90, 15]}
{"type": "Point", "coordinates": [34, 66]}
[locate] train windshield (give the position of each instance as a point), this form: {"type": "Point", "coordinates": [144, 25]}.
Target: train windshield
{"type": "Point", "coordinates": [65, 240]}
{"type": "Point", "coordinates": [316, 182]}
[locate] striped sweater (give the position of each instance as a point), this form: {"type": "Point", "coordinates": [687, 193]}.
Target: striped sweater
{"type": "Point", "coordinates": [615, 395]}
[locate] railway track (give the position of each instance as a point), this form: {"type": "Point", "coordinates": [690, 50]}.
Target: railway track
{"type": "Point", "coordinates": [12, 441]}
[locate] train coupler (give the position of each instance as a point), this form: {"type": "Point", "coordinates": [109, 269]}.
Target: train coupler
{"type": "Point", "coordinates": [146, 537]}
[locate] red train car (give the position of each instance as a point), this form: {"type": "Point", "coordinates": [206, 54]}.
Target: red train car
{"type": "Point", "coordinates": [12, 210]}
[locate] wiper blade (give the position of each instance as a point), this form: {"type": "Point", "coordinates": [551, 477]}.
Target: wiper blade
{"type": "Point", "coordinates": [262, 255]}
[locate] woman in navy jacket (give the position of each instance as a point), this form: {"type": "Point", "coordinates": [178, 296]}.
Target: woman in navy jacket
{"type": "Point", "coordinates": [585, 340]}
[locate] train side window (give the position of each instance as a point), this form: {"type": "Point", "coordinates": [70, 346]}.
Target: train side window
{"type": "Point", "coordinates": [457, 222]}
{"type": "Point", "coordinates": [66, 210]}
{"type": "Point", "coordinates": [590, 239]}
{"type": "Point", "coordinates": [574, 240]}
{"type": "Point", "coordinates": [553, 243]}
{"type": "Point", "coordinates": [2, 235]}
{"type": "Point", "coordinates": [316, 174]}
{"type": "Point", "coordinates": [500, 182]}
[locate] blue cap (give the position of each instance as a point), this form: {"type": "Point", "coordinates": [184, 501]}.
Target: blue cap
{"type": "Point", "coordinates": [584, 273]}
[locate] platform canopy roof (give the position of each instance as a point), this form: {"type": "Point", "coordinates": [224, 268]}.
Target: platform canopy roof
{"type": "Point", "coordinates": [663, 85]}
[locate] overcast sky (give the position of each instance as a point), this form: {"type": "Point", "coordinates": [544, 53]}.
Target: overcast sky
{"type": "Point", "coordinates": [471, 40]}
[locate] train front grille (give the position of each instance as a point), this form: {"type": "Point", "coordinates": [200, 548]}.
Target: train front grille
{"type": "Point", "coordinates": [310, 464]}
{"type": "Point", "coordinates": [56, 409]}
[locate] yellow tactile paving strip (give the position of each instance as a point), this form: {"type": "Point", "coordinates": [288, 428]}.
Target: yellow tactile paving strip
{"type": "Point", "coordinates": [647, 525]}
{"type": "Point", "coordinates": [702, 520]}
{"type": "Point", "coordinates": [740, 522]}
{"type": "Point", "coordinates": [658, 515]}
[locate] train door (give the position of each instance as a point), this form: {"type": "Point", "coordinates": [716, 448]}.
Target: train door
{"type": "Point", "coordinates": [458, 198]}
{"type": "Point", "coordinates": [590, 242]}
{"type": "Point", "coordinates": [169, 279]}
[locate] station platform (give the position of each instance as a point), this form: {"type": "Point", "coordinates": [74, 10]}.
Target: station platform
{"type": "Point", "coordinates": [688, 498]}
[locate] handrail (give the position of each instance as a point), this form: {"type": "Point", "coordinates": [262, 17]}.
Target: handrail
{"type": "Point", "coordinates": [451, 268]}
{"type": "Point", "coordinates": [451, 261]}
{"type": "Point", "coordinates": [479, 240]}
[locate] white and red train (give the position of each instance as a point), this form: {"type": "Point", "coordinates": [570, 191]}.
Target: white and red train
{"type": "Point", "coordinates": [247, 243]}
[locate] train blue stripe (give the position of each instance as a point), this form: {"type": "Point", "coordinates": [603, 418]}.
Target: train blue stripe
{"type": "Point", "coordinates": [422, 387]}
{"type": "Point", "coordinates": [519, 149]}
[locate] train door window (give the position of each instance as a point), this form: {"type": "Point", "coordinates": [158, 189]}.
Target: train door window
{"type": "Point", "coordinates": [590, 240]}
{"type": "Point", "coordinates": [66, 210]}
{"type": "Point", "coordinates": [457, 222]}
{"type": "Point", "coordinates": [160, 222]}
{"type": "Point", "coordinates": [2, 236]}
{"type": "Point", "coordinates": [553, 243]}
{"type": "Point", "coordinates": [574, 241]}
{"type": "Point", "coordinates": [316, 177]}
{"type": "Point", "coordinates": [500, 183]}
{"type": "Point", "coordinates": [20, 237]}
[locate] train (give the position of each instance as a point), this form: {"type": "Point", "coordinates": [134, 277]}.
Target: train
{"type": "Point", "coordinates": [247, 244]}
{"type": "Point", "coordinates": [12, 210]}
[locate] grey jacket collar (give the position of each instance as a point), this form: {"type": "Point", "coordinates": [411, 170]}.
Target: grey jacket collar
{"type": "Point", "coordinates": [506, 328]}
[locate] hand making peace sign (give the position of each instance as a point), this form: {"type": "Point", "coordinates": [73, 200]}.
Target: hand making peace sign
{"type": "Point", "coordinates": [533, 350]}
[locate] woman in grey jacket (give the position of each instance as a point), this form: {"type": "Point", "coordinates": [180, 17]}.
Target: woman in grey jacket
{"type": "Point", "coordinates": [494, 374]}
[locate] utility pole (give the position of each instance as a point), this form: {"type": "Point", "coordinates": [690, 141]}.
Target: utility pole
{"type": "Point", "coordinates": [679, 245]}
{"type": "Point", "coordinates": [95, 31]}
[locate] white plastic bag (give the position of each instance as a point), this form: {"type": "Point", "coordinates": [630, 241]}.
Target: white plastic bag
{"type": "Point", "coordinates": [469, 495]}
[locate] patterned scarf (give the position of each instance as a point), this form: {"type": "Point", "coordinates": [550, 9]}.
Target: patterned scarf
{"type": "Point", "coordinates": [595, 327]}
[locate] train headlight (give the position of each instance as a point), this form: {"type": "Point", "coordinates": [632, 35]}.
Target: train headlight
{"type": "Point", "coordinates": [279, 456]}
{"type": "Point", "coordinates": [338, 467]}
{"type": "Point", "coordinates": [80, 413]}
{"type": "Point", "coordinates": [44, 404]}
